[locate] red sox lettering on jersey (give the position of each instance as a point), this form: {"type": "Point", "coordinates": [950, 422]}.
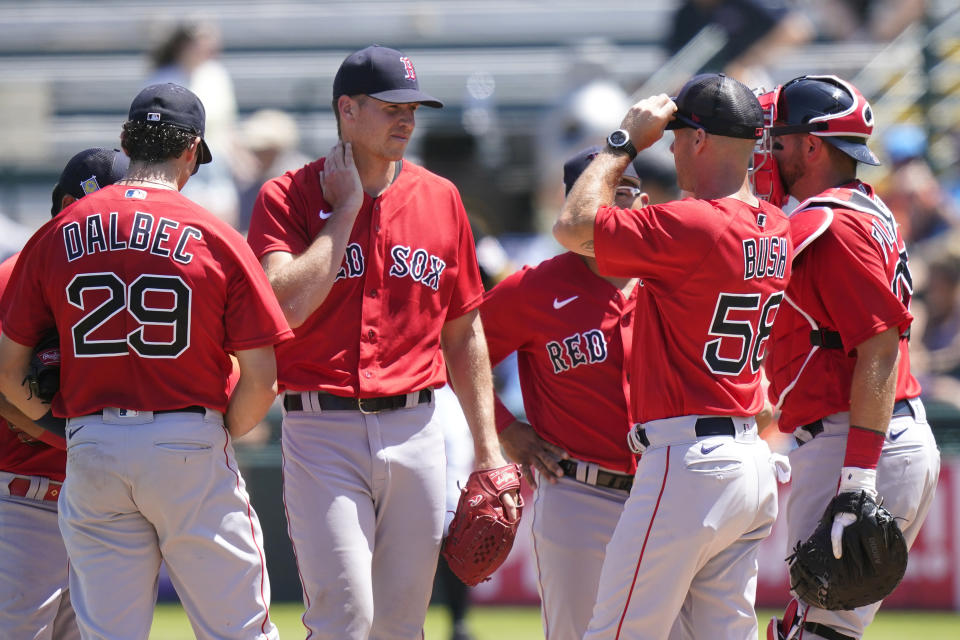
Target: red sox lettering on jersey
{"type": "Point", "coordinates": [571, 332]}
{"type": "Point", "coordinates": [588, 347]}
{"type": "Point", "coordinates": [416, 263]}
{"type": "Point", "coordinates": [400, 270]}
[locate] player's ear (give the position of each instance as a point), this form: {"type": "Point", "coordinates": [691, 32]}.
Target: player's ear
{"type": "Point", "coordinates": [347, 106]}
{"type": "Point", "coordinates": [66, 201]}
{"type": "Point", "coordinates": [644, 199]}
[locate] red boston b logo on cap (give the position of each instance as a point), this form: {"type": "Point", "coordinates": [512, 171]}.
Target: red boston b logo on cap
{"type": "Point", "coordinates": [408, 68]}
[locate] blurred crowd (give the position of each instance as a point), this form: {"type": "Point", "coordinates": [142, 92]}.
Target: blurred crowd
{"type": "Point", "coordinates": [743, 38]}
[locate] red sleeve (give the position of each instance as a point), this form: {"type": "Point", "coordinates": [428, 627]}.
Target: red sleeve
{"type": "Point", "coordinates": [252, 317]}
{"type": "Point", "coordinates": [506, 330]}
{"type": "Point", "coordinates": [859, 301]}
{"type": "Point", "coordinates": [274, 225]}
{"type": "Point", "coordinates": [502, 313]}
{"type": "Point", "coordinates": [26, 315]}
{"type": "Point", "coordinates": [664, 241]}
{"type": "Point", "coordinates": [468, 290]}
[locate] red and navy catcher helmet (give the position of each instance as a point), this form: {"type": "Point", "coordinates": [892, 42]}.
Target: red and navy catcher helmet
{"type": "Point", "coordinates": [827, 107]}
{"type": "Point", "coordinates": [823, 106]}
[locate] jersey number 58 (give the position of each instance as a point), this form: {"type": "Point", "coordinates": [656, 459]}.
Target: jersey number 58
{"type": "Point", "coordinates": [748, 334]}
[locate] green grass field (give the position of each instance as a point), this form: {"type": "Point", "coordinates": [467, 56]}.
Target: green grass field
{"type": "Point", "coordinates": [523, 623]}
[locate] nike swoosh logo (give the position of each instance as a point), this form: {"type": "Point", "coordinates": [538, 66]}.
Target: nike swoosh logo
{"type": "Point", "coordinates": [894, 436]}
{"type": "Point", "coordinates": [325, 214]}
{"type": "Point", "coordinates": [73, 431]}
{"type": "Point", "coordinates": [560, 304]}
{"type": "Point", "coordinates": [704, 449]}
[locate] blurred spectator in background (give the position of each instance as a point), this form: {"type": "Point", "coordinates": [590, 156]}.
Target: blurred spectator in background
{"type": "Point", "coordinates": [753, 33]}
{"type": "Point", "coordinates": [921, 206]}
{"type": "Point", "coordinates": [592, 106]}
{"type": "Point", "coordinates": [937, 352]}
{"type": "Point", "coordinates": [13, 236]}
{"type": "Point", "coordinates": [272, 140]}
{"type": "Point", "coordinates": [879, 20]}
{"type": "Point", "coordinates": [189, 56]}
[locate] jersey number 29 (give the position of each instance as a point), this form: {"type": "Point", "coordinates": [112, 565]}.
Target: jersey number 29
{"type": "Point", "coordinates": [749, 335]}
{"type": "Point", "coordinates": [133, 299]}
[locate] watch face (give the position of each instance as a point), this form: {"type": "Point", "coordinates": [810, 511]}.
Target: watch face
{"type": "Point", "coordinates": [618, 137]}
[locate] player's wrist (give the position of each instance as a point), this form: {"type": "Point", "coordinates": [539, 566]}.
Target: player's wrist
{"type": "Point", "coordinates": [855, 479]}
{"type": "Point", "coordinates": [864, 447]}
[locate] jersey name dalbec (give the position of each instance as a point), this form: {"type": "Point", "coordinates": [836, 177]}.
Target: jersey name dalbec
{"type": "Point", "coordinates": [764, 257]}
{"type": "Point", "coordinates": [163, 239]}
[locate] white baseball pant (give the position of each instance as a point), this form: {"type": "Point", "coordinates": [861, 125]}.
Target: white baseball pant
{"type": "Point", "coordinates": [906, 480]}
{"type": "Point", "coordinates": [34, 590]}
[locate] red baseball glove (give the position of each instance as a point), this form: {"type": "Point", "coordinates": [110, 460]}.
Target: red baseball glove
{"type": "Point", "coordinates": [480, 536]}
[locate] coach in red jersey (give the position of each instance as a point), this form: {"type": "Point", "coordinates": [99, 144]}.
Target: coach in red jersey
{"type": "Point", "coordinates": [373, 262]}
{"type": "Point", "coordinates": [150, 296]}
{"type": "Point", "coordinates": [34, 589]}
{"type": "Point", "coordinates": [714, 268]}
{"type": "Point", "coordinates": [839, 363]}
{"type": "Point", "coordinates": [571, 330]}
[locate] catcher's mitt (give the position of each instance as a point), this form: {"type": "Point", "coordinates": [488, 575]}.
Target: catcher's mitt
{"type": "Point", "coordinates": [43, 374]}
{"type": "Point", "coordinates": [873, 561]}
{"type": "Point", "coordinates": [480, 537]}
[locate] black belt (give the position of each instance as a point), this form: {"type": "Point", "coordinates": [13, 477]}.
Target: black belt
{"type": "Point", "coordinates": [715, 426]}
{"type": "Point", "coordinates": [824, 631]}
{"type": "Point", "coordinates": [192, 409]}
{"type": "Point", "coordinates": [292, 401]}
{"type": "Point", "coordinates": [831, 339]}
{"type": "Point", "coordinates": [605, 479]}
{"type": "Point", "coordinates": [901, 409]}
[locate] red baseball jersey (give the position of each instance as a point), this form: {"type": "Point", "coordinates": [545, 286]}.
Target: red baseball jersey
{"type": "Point", "coordinates": [570, 329]}
{"type": "Point", "coordinates": [16, 456]}
{"type": "Point", "coordinates": [409, 266]}
{"type": "Point", "coordinates": [714, 272]}
{"type": "Point", "coordinates": [853, 280]}
{"type": "Point", "coordinates": [148, 292]}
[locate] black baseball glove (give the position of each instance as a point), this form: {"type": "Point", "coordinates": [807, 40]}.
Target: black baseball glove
{"type": "Point", "coordinates": [872, 563]}
{"type": "Point", "coordinates": [43, 374]}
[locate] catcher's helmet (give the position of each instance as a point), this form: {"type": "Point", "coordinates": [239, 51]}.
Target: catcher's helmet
{"type": "Point", "coordinates": [828, 107]}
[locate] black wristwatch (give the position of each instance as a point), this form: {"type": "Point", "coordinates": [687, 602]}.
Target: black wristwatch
{"type": "Point", "coordinates": [619, 140]}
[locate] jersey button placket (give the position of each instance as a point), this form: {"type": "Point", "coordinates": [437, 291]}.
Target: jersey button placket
{"type": "Point", "coordinates": [372, 305]}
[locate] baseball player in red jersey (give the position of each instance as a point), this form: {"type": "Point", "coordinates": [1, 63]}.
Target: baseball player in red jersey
{"type": "Point", "coordinates": [373, 262]}
{"type": "Point", "coordinates": [838, 358]}
{"type": "Point", "coordinates": [34, 590]}
{"type": "Point", "coordinates": [571, 329]}
{"type": "Point", "coordinates": [150, 294]}
{"type": "Point", "coordinates": [714, 268]}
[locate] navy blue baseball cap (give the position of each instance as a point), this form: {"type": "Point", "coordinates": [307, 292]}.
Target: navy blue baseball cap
{"type": "Point", "coordinates": [382, 73]}
{"type": "Point", "coordinates": [574, 166]}
{"type": "Point", "coordinates": [172, 105]}
{"type": "Point", "coordinates": [89, 171]}
{"type": "Point", "coordinates": [719, 105]}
